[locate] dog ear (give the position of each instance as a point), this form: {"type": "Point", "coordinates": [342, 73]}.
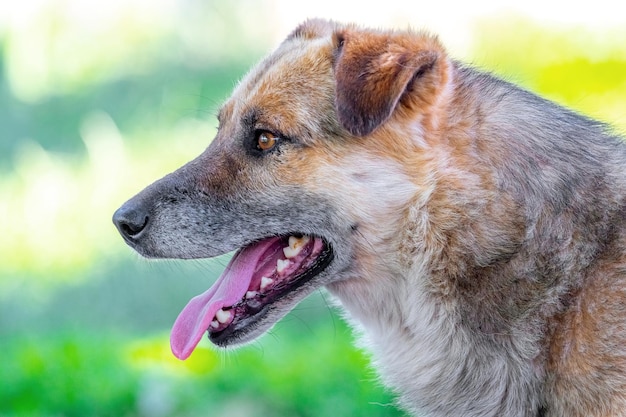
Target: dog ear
{"type": "Point", "coordinates": [374, 70]}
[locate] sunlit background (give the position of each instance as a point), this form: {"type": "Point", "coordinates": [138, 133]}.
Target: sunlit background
{"type": "Point", "coordinates": [99, 98]}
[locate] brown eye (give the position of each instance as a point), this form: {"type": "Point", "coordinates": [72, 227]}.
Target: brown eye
{"type": "Point", "coordinates": [266, 141]}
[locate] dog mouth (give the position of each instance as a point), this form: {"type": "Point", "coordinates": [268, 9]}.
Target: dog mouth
{"type": "Point", "coordinates": [258, 277]}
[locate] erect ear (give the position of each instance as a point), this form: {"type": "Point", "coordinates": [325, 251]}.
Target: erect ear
{"type": "Point", "coordinates": [375, 70]}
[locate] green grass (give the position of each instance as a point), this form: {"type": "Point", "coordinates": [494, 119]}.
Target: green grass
{"type": "Point", "coordinates": [58, 374]}
{"type": "Point", "coordinates": [87, 373]}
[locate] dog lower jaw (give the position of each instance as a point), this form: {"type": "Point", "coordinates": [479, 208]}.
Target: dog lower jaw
{"type": "Point", "coordinates": [259, 310]}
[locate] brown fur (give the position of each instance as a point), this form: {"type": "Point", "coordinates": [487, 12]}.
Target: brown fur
{"type": "Point", "coordinates": [478, 231]}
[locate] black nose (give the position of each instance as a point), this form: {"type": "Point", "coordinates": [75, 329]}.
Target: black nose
{"type": "Point", "coordinates": [131, 220]}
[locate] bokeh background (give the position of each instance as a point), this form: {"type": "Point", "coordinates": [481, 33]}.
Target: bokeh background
{"type": "Point", "coordinates": [99, 98]}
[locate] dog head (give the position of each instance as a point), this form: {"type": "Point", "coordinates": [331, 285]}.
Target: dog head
{"type": "Point", "coordinates": [307, 177]}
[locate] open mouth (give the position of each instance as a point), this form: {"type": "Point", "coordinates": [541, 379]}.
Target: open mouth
{"type": "Point", "coordinates": [258, 276]}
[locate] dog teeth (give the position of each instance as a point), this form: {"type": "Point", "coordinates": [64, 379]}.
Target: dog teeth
{"type": "Point", "coordinates": [252, 294]}
{"type": "Point", "coordinates": [295, 246]}
{"type": "Point", "coordinates": [291, 252]}
{"type": "Point", "coordinates": [215, 324]}
{"type": "Point", "coordinates": [281, 265]}
{"type": "Point", "coordinates": [265, 282]}
{"type": "Point", "coordinates": [222, 316]}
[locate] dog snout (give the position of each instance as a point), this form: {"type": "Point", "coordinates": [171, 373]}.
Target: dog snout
{"type": "Point", "coordinates": [131, 220]}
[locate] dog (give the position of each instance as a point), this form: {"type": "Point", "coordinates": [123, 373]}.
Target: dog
{"type": "Point", "coordinates": [474, 233]}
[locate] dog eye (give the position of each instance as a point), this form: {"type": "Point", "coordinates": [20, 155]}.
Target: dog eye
{"type": "Point", "coordinates": [266, 141]}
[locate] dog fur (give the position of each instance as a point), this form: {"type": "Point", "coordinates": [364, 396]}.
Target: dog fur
{"type": "Point", "coordinates": [478, 231]}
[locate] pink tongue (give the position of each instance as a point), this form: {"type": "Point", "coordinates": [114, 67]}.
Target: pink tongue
{"type": "Point", "coordinates": [230, 287]}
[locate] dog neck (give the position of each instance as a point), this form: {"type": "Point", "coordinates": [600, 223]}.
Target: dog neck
{"type": "Point", "coordinates": [457, 371]}
{"type": "Point", "coordinates": [405, 298]}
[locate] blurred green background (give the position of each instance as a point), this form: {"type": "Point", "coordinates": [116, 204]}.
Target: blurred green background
{"type": "Point", "coordinates": [98, 99]}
